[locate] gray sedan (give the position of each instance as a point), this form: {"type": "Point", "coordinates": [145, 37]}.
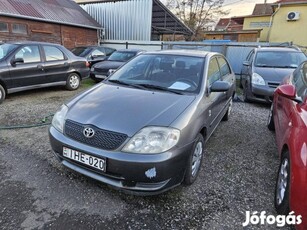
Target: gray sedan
{"type": "Point", "coordinates": [144, 129]}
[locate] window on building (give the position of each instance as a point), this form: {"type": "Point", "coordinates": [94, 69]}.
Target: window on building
{"type": "Point", "coordinates": [53, 53]}
{"type": "Point", "coordinates": [19, 29]}
{"type": "Point", "coordinates": [4, 27]}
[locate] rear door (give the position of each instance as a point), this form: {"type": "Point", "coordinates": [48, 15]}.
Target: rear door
{"type": "Point", "coordinates": [29, 70]}
{"type": "Point", "coordinates": [56, 65]}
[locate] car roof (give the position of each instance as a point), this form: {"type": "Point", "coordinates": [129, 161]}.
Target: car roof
{"type": "Point", "coordinates": [282, 49]}
{"type": "Point", "coordinates": [31, 42]}
{"type": "Point", "coordinates": [130, 50]}
{"type": "Point", "coordinates": [183, 52]}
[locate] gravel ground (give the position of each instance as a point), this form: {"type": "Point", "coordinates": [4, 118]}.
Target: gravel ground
{"type": "Point", "coordinates": [36, 192]}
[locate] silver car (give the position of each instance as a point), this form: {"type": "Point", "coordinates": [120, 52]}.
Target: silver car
{"type": "Point", "coordinates": [144, 129]}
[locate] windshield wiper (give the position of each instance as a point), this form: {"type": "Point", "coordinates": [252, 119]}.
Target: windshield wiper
{"type": "Point", "coordinates": [126, 83]}
{"type": "Point", "coordinates": [157, 87]}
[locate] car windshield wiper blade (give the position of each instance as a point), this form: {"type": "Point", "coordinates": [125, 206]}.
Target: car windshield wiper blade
{"type": "Point", "coordinates": [157, 87]}
{"type": "Point", "coordinates": [287, 66]}
{"type": "Point", "coordinates": [126, 83]}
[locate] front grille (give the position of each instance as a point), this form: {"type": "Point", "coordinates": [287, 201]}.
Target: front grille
{"type": "Point", "coordinates": [273, 84]}
{"type": "Point", "coordinates": [101, 71]}
{"type": "Point", "coordinates": [102, 139]}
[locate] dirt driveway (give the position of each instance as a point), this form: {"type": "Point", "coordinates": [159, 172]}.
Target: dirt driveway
{"type": "Point", "coordinates": [36, 192]}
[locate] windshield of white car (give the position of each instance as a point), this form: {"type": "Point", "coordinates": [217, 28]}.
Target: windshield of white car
{"type": "Point", "coordinates": [166, 72]}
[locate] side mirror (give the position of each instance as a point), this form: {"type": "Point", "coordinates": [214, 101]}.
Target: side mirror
{"type": "Point", "coordinates": [246, 63]}
{"type": "Point", "coordinates": [288, 91]}
{"type": "Point", "coordinates": [14, 61]}
{"type": "Point", "coordinates": [220, 86]}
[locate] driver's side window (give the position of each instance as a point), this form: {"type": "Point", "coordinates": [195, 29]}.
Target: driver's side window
{"type": "Point", "coordinates": [29, 54]}
{"type": "Point", "coordinates": [213, 71]}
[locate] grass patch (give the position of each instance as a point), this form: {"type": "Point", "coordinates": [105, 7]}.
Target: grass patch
{"type": "Point", "coordinates": [88, 83]}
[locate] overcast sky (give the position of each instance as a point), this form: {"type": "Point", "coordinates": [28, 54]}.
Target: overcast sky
{"type": "Point", "coordinates": [242, 7]}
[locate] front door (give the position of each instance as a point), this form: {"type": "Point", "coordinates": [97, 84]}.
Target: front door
{"type": "Point", "coordinates": [28, 70]}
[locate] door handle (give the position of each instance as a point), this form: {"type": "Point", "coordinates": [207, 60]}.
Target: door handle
{"type": "Point", "coordinates": [40, 67]}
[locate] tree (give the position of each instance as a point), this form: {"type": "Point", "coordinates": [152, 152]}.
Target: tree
{"type": "Point", "coordinates": [198, 15]}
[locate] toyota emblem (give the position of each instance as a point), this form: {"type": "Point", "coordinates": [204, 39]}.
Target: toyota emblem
{"type": "Point", "coordinates": [88, 132]}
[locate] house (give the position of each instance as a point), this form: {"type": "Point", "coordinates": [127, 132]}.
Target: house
{"type": "Point", "coordinates": [63, 22]}
{"type": "Point", "coordinates": [259, 20]}
{"type": "Point", "coordinates": [134, 20]}
{"type": "Point", "coordinates": [232, 29]}
{"type": "Point", "coordinates": [289, 22]}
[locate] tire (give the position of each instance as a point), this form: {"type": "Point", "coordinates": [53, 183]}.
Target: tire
{"type": "Point", "coordinates": [270, 122]}
{"type": "Point", "coordinates": [245, 97]}
{"type": "Point", "coordinates": [282, 186]}
{"type": "Point", "coordinates": [2, 94]}
{"type": "Point", "coordinates": [73, 81]}
{"type": "Point", "coordinates": [195, 160]}
{"type": "Point", "coordinates": [227, 114]}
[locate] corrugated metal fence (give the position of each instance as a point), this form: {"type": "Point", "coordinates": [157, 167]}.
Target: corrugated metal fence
{"type": "Point", "coordinates": [236, 52]}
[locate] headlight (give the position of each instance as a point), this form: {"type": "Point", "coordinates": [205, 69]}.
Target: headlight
{"type": "Point", "coordinates": [59, 118]}
{"type": "Point", "coordinates": [257, 79]}
{"type": "Point", "coordinates": [150, 140]}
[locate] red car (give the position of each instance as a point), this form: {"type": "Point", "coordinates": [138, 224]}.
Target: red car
{"type": "Point", "coordinates": [288, 117]}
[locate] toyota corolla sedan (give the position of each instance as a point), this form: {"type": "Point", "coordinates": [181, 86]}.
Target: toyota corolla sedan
{"type": "Point", "coordinates": [144, 129]}
{"type": "Point", "coordinates": [288, 117]}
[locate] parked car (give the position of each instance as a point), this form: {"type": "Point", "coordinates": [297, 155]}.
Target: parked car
{"type": "Point", "coordinates": [144, 128]}
{"type": "Point", "coordinates": [31, 65]}
{"type": "Point", "coordinates": [288, 117]}
{"type": "Point", "coordinates": [264, 70]}
{"type": "Point", "coordinates": [101, 71]}
{"type": "Point", "coordinates": [93, 54]}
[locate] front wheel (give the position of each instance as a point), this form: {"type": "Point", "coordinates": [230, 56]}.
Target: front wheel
{"type": "Point", "coordinates": [73, 81]}
{"type": "Point", "coordinates": [283, 186]}
{"type": "Point", "coordinates": [2, 94]}
{"type": "Point", "coordinates": [195, 160]}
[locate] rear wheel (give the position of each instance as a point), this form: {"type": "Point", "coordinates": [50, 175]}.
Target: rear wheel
{"type": "Point", "coordinates": [73, 81]}
{"type": "Point", "coordinates": [270, 122]}
{"type": "Point", "coordinates": [283, 186]}
{"type": "Point", "coordinates": [195, 160]}
{"type": "Point", "coordinates": [2, 94]}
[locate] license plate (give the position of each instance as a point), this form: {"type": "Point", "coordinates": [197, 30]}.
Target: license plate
{"type": "Point", "coordinates": [101, 76]}
{"type": "Point", "coordinates": [86, 159]}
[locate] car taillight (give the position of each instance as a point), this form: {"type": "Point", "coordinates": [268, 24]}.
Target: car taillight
{"type": "Point", "coordinates": [87, 64]}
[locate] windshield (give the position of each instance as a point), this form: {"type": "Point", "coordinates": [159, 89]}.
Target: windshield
{"type": "Point", "coordinates": [81, 51]}
{"type": "Point", "coordinates": [279, 59]}
{"type": "Point", "coordinates": [5, 49]}
{"type": "Point", "coordinates": [121, 56]}
{"type": "Point", "coordinates": [173, 73]}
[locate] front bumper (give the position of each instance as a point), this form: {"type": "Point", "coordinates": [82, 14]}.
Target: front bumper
{"type": "Point", "coordinates": [125, 170]}
{"type": "Point", "coordinates": [262, 93]}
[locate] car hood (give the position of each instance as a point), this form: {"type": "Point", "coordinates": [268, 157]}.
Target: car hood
{"type": "Point", "coordinates": [127, 110]}
{"type": "Point", "coordinates": [109, 65]}
{"type": "Point", "coordinates": [273, 74]}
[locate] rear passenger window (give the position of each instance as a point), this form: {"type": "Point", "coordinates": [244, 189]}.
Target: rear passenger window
{"type": "Point", "coordinates": [224, 67]}
{"type": "Point", "coordinates": [213, 71]}
{"type": "Point", "coordinates": [29, 54]}
{"type": "Point", "coordinates": [53, 53]}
